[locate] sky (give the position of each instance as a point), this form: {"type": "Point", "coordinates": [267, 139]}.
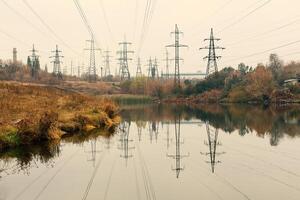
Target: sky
{"type": "Point", "coordinates": [249, 30]}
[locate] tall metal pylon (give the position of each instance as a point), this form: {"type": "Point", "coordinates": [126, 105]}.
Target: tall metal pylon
{"type": "Point", "coordinates": [212, 58]}
{"type": "Point", "coordinates": [139, 68]}
{"type": "Point", "coordinates": [57, 62]}
{"type": "Point", "coordinates": [124, 69]}
{"type": "Point", "coordinates": [178, 156]}
{"type": "Point", "coordinates": [107, 63]}
{"type": "Point", "coordinates": [34, 62]}
{"type": "Point", "coordinates": [167, 64]}
{"type": "Point", "coordinates": [152, 68]}
{"type": "Point", "coordinates": [212, 143]}
{"type": "Point", "coordinates": [92, 71]}
{"type": "Point", "coordinates": [177, 58]}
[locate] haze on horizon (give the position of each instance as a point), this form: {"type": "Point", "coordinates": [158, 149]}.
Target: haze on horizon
{"type": "Point", "coordinates": [249, 29]}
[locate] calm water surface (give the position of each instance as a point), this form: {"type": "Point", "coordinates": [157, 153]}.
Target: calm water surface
{"type": "Point", "coordinates": [167, 152]}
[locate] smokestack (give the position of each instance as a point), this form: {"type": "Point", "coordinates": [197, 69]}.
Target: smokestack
{"type": "Point", "coordinates": [15, 58]}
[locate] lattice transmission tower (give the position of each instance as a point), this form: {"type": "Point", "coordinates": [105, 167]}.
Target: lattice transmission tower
{"type": "Point", "coordinates": [57, 71]}
{"type": "Point", "coordinates": [34, 62]}
{"type": "Point", "coordinates": [212, 58]}
{"type": "Point", "coordinates": [107, 63]}
{"type": "Point", "coordinates": [124, 69]}
{"type": "Point", "coordinates": [167, 64]}
{"type": "Point", "coordinates": [177, 58]}
{"type": "Point", "coordinates": [92, 71]}
{"type": "Point", "coordinates": [139, 68]}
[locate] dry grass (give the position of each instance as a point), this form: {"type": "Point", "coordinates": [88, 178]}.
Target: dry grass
{"type": "Point", "coordinates": [32, 112]}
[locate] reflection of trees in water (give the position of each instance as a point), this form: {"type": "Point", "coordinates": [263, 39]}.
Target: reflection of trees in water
{"type": "Point", "coordinates": [22, 159]}
{"type": "Point", "coordinates": [212, 143]}
{"type": "Point", "coordinates": [274, 121]}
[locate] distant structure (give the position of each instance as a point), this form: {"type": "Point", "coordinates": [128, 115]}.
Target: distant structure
{"type": "Point", "coordinates": [124, 69]}
{"type": "Point", "coordinates": [107, 63]}
{"type": "Point", "coordinates": [46, 68]}
{"type": "Point", "coordinates": [212, 58]}
{"type": "Point", "coordinates": [153, 69]}
{"type": "Point", "coordinates": [57, 63]}
{"type": "Point", "coordinates": [92, 72]}
{"type": "Point", "coordinates": [139, 68]}
{"type": "Point", "coordinates": [15, 56]}
{"type": "Point", "coordinates": [167, 64]}
{"type": "Point", "coordinates": [33, 62]}
{"type": "Point", "coordinates": [177, 58]}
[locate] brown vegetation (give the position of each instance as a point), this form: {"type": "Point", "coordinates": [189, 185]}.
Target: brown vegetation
{"type": "Point", "coordinates": [31, 113]}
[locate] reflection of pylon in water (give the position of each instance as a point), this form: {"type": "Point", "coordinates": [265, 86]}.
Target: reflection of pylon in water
{"type": "Point", "coordinates": [212, 143]}
{"type": "Point", "coordinates": [93, 151]}
{"type": "Point", "coordinates": [139, 129]}
{"type": "Point", "coordinates": [177, 156]}
{"type": "Point", "coordinates": [153, 129]}
{"type": "Point", "coordinates": [124, 139]}
{"type": "Point", "coordinates": [168, 135]}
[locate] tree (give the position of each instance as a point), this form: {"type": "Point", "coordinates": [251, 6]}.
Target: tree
{"type": "Point", "coordinates": [243, 69]}
{"type": "Point", "coordinates": [275, 65]}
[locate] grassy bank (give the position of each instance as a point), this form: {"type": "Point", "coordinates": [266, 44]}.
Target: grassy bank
{"type": "Point", "coordinates": [30, 114]}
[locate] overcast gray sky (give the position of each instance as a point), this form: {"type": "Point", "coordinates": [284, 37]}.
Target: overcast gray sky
{"type": "Point", "coordinates": [249, 29]}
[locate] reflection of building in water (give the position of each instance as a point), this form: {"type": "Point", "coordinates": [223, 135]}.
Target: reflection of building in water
{"type": "Point", "coordinates": [93, 152]}
{"type": "Point", "coordinates": [124, 141]}
{"type": "Point", "coordinates": [153, 129]}
{"type": "Point", "coordinates": [178, 156]}
{"type": "Point", "coordinates": [212, 143]}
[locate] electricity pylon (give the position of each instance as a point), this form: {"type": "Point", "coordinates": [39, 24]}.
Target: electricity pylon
{"type": "Point", "coordinates": [212, 143]}
{"type": "Point", "coordinates": [177, 58]}
{"type": "Point", "coordinates": [34, 62]}
{"type": "Point", "coordinates": [57, 63]}
{"type": "Point", "coordinates": [149, 67]}
{"type": "Point", "coordinates": [107, 63]}
{"type": "Point", "coordinates": [139, 68]}
{"type": "Point", "coordinates": [178, 156]}
{"type": "Point", "coordinates": [155, 69]}
{"type": "Point", "coordinates": [152, 69]}
{"type": "Point", "coordinates": [167, 64]}
{"type": "Point", "coordinates": [212, 58]}
{"type": "Point", "coordinates": [92, 72]}
{"type": "Point", "coordinates": [124, 69]}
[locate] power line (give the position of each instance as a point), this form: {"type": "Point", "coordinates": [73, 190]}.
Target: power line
{"type": "Point", "coordinates": [149, 10]}
{"type": "Point", "coordinates": [245, 16]}
{"type": "Point", "coordinates": [22, 16]}
{"type": "Point", "coordinates": [266, 32]}
{"type": "Point", "coordinates": [265, 51]}
{"type": "Point", "coordinates": [106, 20]}
{"type": "Point", "coordinates": [47, 26]}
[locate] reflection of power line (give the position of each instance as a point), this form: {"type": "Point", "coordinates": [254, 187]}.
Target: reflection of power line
{"type": "Point", "coordinates": [124, 139]}
{"type": "Point", "coordinates": [178, 156]}
{"type": "Point", "coordinates": [212, 144]}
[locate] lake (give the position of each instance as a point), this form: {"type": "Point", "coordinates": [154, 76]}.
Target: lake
{"type": "Point", "coordinates": [167, 152]}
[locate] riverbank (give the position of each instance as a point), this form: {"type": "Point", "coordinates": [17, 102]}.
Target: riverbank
{"type": "Point", "coordinates": [31, 113]}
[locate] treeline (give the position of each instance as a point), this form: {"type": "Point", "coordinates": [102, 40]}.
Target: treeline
{"type": "Point", "coordinates": [264, 83]}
